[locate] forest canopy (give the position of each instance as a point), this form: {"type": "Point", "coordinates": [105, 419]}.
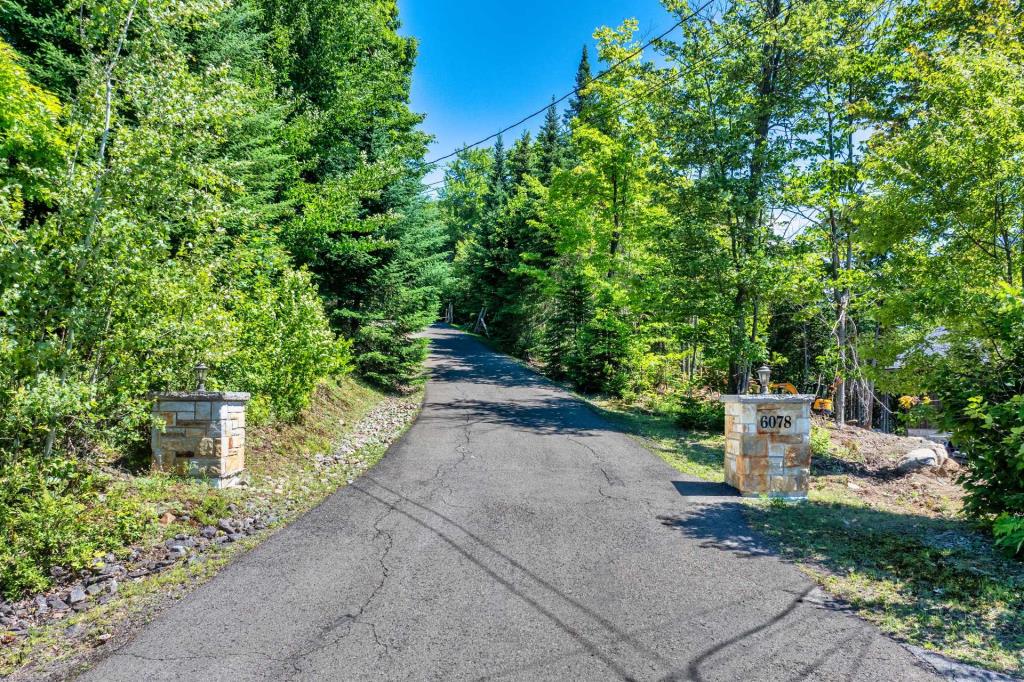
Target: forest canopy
{"type": "Point", "coordinates": [233, 183]}
{"type": "Point", "coordinates": [830, 188]}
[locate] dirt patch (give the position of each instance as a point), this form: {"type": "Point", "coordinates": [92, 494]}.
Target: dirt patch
{"type": "Point", "coordinates": [865, 464]}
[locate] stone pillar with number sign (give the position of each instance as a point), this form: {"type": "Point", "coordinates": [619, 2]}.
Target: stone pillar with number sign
{"type": "Point", "coordinates": [767, 444]}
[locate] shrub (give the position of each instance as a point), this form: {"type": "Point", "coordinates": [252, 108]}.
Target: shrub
{"type": "Point", "coordinates": [284, 344]}
{"type": "Point", "coordinates": [698, 414]}
{"type": "Point", "coordinates": [386, 357]}
{"type": "Point", "coordinates": [213, 508]}
{"type": "Point", "coordinates": [1009, 532]}
{"type": "Point", "coordinates": [58, 512]}
{"type": "Point", "coordinates": [821, 441]}
{"type": "Point", "coordinates": [603, 356]}
{"type": "Point", "coordinates": [982, 396]}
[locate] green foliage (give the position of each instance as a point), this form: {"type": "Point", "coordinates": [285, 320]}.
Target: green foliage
{"type": "Point", "coordinates": [698, 413]}
{"type": "Point", "coordinates": [31, 143]}
{"type": "Point", "coordinates": [129, 251]}
{"type": "Point", "coordinates": [982, 395]}
{"type": "Point", "coordinates": [50, 515]}
{"type": "Point", "coordinates": [836, 193]}
{"type": "Point", "coordinates": [1009, 532]}
{"type": "Point", "coordinates": [211, 509]}
{"type": "Point", "coordinates": [234, 182]}
{"type": "Point", "coordinates": [821, 441]}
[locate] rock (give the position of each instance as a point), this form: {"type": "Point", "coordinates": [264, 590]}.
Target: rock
{"type": "Point", "coordinates": [918, 459]}
{"type": "Point", "coordinates": [951, 466]}
{"type": "Point", "coordinates": [208, 532]}
{"type": "Point", "coordinates": [177, 551]}
{"type": "Point", "coordinates": [235, 537]}
{"type": "Point", "coordinates": [75, 630]}
{"type": "Point", "coordinates": [77, 595]}
{"type": "Point", "coordinates": [57, 572]}
{"type": "Point", "coordinates": [226, 525]}
{"type": "Point", "coordinates": [112, 587]}
{"type": "Point", "coordinates": [41, 606]}
{"type": "Point", "coordinates": [167, 518]}
{"type": "Point", "coordinates": [94, 589]}
{"type": "Point", "coordinates": [112, 568]}
{"type": "Point", "coordinates": [58, 604]}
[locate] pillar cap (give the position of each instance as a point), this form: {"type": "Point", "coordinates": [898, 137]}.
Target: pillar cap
{"type": "Point", "coordinates": [769, 398]}
{"type": "Point", "coordinates": [207, 396]}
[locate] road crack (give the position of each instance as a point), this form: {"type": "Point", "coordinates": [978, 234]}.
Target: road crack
{"type": "Point", "coordinates": [612, 481]}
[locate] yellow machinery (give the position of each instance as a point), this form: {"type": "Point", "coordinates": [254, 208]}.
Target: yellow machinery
{"type": "Point", "coordinates": [820, 404]}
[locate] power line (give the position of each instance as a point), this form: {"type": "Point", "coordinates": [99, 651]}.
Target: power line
{"type": "Point", "coordinates": [575, 91]}
{"type": "Point", "coordinates": [664, 82]}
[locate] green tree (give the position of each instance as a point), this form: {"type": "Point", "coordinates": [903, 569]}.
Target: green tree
{"type": "Point", "coordinates": [550, 147]}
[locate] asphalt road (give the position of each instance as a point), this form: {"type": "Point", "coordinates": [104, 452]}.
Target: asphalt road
{"type": "Point", "coordinates": [512, 534]}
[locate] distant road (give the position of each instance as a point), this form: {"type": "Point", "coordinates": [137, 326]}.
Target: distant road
{"type": "Point", "coordinates": [512, 534]}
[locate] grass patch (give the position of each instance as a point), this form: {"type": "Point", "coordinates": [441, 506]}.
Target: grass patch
{"type": "Point", "coordinates": [934, 581]}
{"type": "Point", "coordinates": [696, 453]}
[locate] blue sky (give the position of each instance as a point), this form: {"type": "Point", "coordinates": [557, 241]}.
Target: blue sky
{"type": "Point", "coordinates": [484, 64]}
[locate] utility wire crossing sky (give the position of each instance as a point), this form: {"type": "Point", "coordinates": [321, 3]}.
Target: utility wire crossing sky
{"type": "Point", "coordinates": [481, 66]}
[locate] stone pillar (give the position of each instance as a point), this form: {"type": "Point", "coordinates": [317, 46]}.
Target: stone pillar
{"type": "Point", "coordinates": [200, 434]}
{"type": "Point", "coordinates": [768, 444]}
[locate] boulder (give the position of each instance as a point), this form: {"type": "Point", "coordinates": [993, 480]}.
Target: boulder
{"type": "Point", "coordinates": [922, 458]}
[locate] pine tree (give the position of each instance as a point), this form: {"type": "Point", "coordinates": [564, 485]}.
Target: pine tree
{"type": "Point", "coordinates": [522, 159]}
{"type": "Point", "coordinates": [582, 99]}
{"type": "Point", "coordinates": [549, 143]}
{"type": "Point", "coordinates": [498, 184]}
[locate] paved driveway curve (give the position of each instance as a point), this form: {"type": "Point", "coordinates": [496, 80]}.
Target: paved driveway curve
{"type": "Point", "coordinates": [512, 534]}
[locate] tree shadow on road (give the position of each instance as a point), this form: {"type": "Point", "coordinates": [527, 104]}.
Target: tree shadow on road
{"type": "Point", "coordinates": [524, 583]}
{"type": "Point", "coordinates": [561, 415]}
{"type": "Point", "coordinates": [935, 582]}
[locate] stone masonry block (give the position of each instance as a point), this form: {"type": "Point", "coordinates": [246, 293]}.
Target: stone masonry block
{"type": "Point", "coordinates": [753, 446]}
{"type": "Point", "coordinates": [756, 465]}
{"type": "Point", "coordinates": [201, 435]}
{"type": "Point", "coordinates": [767, 449]}
{"type": "Point", "coordinates": [177, 406]}
{"type": "Point", "coordinates": [797, 456]}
